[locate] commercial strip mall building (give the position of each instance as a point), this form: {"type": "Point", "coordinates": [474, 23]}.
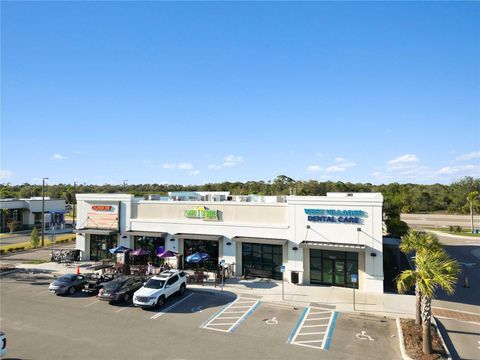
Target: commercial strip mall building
{"type": "Point", "coordinates": [28, 213]}
{"type": "Point", "coordinates": [321, 239]}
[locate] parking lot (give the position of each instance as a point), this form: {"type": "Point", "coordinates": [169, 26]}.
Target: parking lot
{"type": "Point", "coordinates": [201, 324]}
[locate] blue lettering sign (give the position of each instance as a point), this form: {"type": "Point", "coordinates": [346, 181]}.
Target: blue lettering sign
{"type": "Point", "coordinates": [334, 216]}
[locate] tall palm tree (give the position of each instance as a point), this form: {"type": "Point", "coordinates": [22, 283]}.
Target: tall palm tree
{"type": "Point", "coordinates": [433, 270]}
{"type": "Point", "coordinates": [471, 198]}
{"type": "Point", "coordinates": [415, 242]}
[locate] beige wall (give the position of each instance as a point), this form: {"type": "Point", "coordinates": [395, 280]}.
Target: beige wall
{"type": "Point", "coordinates": [230, 213]}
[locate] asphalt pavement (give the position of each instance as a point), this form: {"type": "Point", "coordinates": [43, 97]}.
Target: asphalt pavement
{"type": "Point", "coordinates": [40, 325]}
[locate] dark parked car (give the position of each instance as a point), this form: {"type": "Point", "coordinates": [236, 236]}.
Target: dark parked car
{"type": "Point", "coordinates": [121, 289]}
{"type": "Point", "coordinates": [68, 284]}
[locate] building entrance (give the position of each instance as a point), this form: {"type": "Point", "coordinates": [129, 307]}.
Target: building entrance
{"type": "Point", "coordinates": [333, 267]}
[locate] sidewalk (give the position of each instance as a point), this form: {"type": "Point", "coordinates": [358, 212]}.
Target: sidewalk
{"type": "Point", "coordinates": [341, 299]}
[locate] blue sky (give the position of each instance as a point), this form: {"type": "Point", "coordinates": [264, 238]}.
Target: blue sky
{"type": "Point", "coordinates": [191, 93]}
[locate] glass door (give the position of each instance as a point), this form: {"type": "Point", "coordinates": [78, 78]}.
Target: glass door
{"type": "Point", "coordinates": [327, 271]}
{"type": "Point", "coordinates": [339, 273]}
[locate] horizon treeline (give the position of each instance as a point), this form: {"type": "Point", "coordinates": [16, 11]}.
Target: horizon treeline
{"type": "Point", "coordinates": [405, 198]}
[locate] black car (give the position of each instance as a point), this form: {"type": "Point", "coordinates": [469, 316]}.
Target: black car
{"type": "Point", "coordinates": [121, 288]}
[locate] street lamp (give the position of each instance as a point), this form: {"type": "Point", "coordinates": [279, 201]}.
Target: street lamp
{"type": "Point", "coordinates": [74, 203]}
{"type": "Point", "coordinates": [43, 211]}
{"type": "Point", "coordinates": [124, 184]}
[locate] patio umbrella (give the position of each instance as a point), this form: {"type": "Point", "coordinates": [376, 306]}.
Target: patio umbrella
{"type": "Point", "coordinates": [166, 254]}
{"type": "Point", "coordinates": [140, 252]}
{"type": "Point", "coordinates": [118, 249]}
{"type": "Point", "coordinates": [197, 257]}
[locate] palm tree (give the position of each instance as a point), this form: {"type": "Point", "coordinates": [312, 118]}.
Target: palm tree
{"type": "Point", "coordinates": [471, 198]}
{"type": "Point", "coordinates": [433, 270]}
{"type": "Point", "coordinates": [417, 241]}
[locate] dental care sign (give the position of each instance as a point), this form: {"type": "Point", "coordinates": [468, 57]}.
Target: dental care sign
{"type": "Point", "coordinates": [336, 216]}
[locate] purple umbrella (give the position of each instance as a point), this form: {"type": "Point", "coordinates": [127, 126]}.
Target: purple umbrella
{"type": "Point", "coordinates": [140, 252]}
{"type": "Point", "coordinates": [166, 254]}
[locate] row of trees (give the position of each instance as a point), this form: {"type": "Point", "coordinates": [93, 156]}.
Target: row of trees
{"type": "Point", "coordinates": [405, 198]}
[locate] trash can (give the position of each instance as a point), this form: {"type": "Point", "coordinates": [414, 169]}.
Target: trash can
{"type": "Point", "coordinates": [475, 231]}
{"type": "Point", "coordinates": [294, 277]}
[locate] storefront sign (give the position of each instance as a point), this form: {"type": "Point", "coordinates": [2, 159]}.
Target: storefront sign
{"type": "Point", "coordinates": [336, 216]}
{"type": "Point", "coordinates": [102, 207]}
{"type": "Point", "coordinates": [202, 213]}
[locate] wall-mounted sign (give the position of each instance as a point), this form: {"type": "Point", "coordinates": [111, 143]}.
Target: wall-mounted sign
{"type": "Point", "coordinates": [335, 216]}
{"type": "Point", "coordinates": [102, 207]}
{"type": "Point", "coordinates": [103, 217]}
{"type": "Point", "coordinates": [202, 213]}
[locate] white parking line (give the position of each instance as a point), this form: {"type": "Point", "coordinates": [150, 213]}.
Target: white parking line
{"type": "Point", "coordinates": [96, 301]}
{"type": "Point", "coordinates": [123, 308]}
{"type": "Point", "coordinates": [315, 339]}
{"type": "Point", "coordinates": [230, 326]}
{"type": "Point", "coordinates": [163, 312]}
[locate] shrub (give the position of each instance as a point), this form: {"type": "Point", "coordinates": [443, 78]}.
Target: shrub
{"type": "Point", "coordinates": [458, 228]}
{"type": "Point", "coordinates": [34, 238]}
{"type": "Point", "coordinates": [451, 228]}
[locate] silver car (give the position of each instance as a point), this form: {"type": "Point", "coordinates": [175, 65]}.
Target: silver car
{"type": "Point", "coordinates": [68, 284]}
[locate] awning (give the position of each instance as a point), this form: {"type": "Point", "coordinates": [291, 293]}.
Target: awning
{"type": "Point", "coordinates": [258, 240]}
{"type": "Point", "coordinates": [146, 233]}
{"type": "Point", "coordinates": [198, 237]}
{"type": "Point", "coordinates": [96, 231]}
{"type": "Point", "coordinates": [321, 244]}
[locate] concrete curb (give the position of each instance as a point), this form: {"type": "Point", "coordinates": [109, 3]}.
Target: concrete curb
{"type": "Point", "coordinates": [449, 356]}
{"type": "Point", "coordinates": [401, 341]}
{"type": "Point", "coordinates": [6, 273]}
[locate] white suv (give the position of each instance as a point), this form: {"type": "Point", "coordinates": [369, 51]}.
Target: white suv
{"type": "Point", "coordinates": [154, 292]}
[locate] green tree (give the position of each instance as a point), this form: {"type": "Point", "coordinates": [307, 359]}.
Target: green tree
{"type": "Point", "coordinates": [433, 270]}
{"type": "Point", "coordinates": [35, 238]}
{"type": "Point", "coordinates": [416, 242]}
{"type": "Point", "coordinates": [472, 201]}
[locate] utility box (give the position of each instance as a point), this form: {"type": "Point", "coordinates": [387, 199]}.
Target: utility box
{"type": "Point", "coordinates": [294, 277]}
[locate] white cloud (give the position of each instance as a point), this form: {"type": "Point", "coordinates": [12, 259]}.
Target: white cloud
{"type": "Point", "coordinates": [470, 156]}
{"type": "Point", "coordinates": [185, 166]}
{"type": "Point", "coordinates": [339, 167]}
{"type": "Point", "coordinates": [233, 159]}
{"type": "Point", "coordinates": [447, 170]}
{"type": "Point", "coordinates": [464, 170]}
{"type": "Point", "coordinates": [5, 174]}
{"type": "Point", "coordinates": [194, 172]}
{"type": "Point", "coordinates": [169, 166]}
{"type": "Point", "coordinates": [404, 159]}
{"type": "Point", "coordinates": [229, 160]}
{"type": "Point", "coordinates": [314, 168]}
{"type": "Point", "coordinates": [58, 157]}
{"type": "Point", "coordinates": [180, 166]}
{"type": "Point", "coordinates": [339, 159]}
{"type": "Point", "coordinates": [319, 154]}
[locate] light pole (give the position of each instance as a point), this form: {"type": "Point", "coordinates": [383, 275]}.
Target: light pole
{"type": "Point", "coordinates": [74, 203]}
{"type": "Point", "coordinates": [124, 184]}
{"type": "Point", "coordinates": [43, 211]}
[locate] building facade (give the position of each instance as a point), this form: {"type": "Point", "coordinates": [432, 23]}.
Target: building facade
{"type": "Point", "coordinates": [28, 212]}
{"type": "Point", "coordinates": [330, 240]}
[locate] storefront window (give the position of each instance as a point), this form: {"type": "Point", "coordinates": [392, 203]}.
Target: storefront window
{"type": "Point", "coordinates": [333, 267]}
{"type": "Point", "coordinates": [152, 245]}
{"type": "Point", "coordinates": [206, 246]}
{"type": "Point", "coordinates": [262, 257]}
{"type": "Point", "coordinates": [99, 246]}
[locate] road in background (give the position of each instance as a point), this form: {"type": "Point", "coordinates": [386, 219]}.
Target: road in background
{"type": "Point", "coordinates": [439, 220]}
